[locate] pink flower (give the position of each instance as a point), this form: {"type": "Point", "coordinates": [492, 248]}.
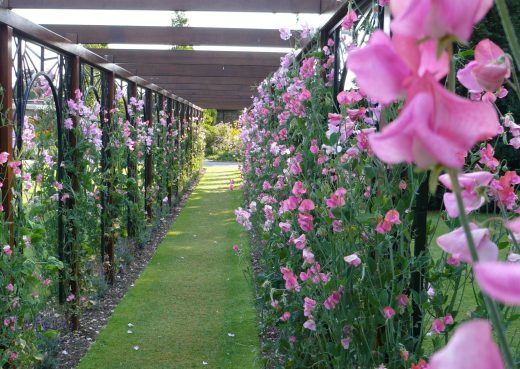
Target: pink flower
{"type": "Point", "coordinates": [448, 319]}
{"type": "Point", "coordinates": [438, 326]}
{"type": "Point", "coordinates": [349, 20]}
{"type": "Point", "coordinates": [310, 325]}
{"type": "Point", "coordinates": [353, 260]}
{"type": "Point", "coordinates": [402, 185]}
{"type": "Point", "coordinates": [4, 156]}
{"type": "Point", "coordinates": [331, 301]}
{"type": "Point", "coordinates": [469, 182]}
{"type": "Point", "coordinates": [489, 69]}
{"type": "Point", "coordinates": [383, 2]}
{"type": "Point", "coordinates": [402, 300]}
{"type": "Point", "coordinates": [383, 227]}
{"type": "Point", "coordinates": [306, 205]}
{"type": "Point", "coordinates": [392, 217]}
{"type": "Point", "coordinates": [337, 226]}
{"type": "Point", "coordinates": [337, 199]}
{"type": "Point", "coordinates": [308, 256]}
{"type": "Point", "coordinates": [285, 316]}
{"type": "Point", "coordinates": [285, 34]}
{"type": "Point", "coordinates": [285, 227]}
{"type": "Point", "coordinates": [345, 343]}
{"type": "Point", "coordinates": [305, 220]}
{"type": "Point", "coordinates": [9, 287]}
{"type": "Point", "coordinates": [471, 347]}
{"type": "Point", "coordinates": [298, 189]}
{"type": "Point", "coordinates": [236, 248]}
{"type": "Point", "coordinates": [70, 297]}
{"type": "Point", "coordinates": [388, 312]}
{"type": "Point", "coordinates": [7, 250]}
{"type": "Point", "coordinates": [349, 97]}
{"type": "Point", "coordinates": [435, 127]}
{"type": "Point", "coordinates": [291, 282]}
{"type": "Point", "coordinates": [386, 68]}
{"type": "Point", "coordinates": [437, 18]}
{"type": "Point", "coordinates": [456, 244]}
{"type": "Point", "coordinates": [308, 306]}
{"type": "Point", "coordinates": [290, 204]}
{"type": "Point", "coordinates": [499, 280]}
{"type": "Point", "coordinates": [299, 242]}
{"type": "Point", "coordinates": [487, 157]}
{"type": "Point", "coordinates": [7, 322]}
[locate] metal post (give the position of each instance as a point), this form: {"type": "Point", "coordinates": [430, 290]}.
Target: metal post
{"type": "Point", "coordinates": [6, 128]}
{"type": "Point", "coordinates": [148, 177]}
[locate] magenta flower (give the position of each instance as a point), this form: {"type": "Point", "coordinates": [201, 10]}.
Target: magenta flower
{"type": "Point", "coordinates": [9, 287]}
{"type": "Point", "coordinates": [285, 316]}
{"type": "Point", "coordinates": [388, 312]}
{"type": "Point", "coordinates": [349, 20]}
{"type": "Point", "coordinates": [4, 156]}
{"type": "Point", "coordinates": [299, 242]}
{"type": "Point", "coordinates": [471, 347]}
{"type": "Point", "coordinates": [337, 199]}
{"type": "Point", "coordinates": [333, 300]}
{"type": "Point", "coordinates": [298, 189]}
{"type": "Point", "coordinates": [489, 69]}
{"type": "Point", "coordinates": [392, 217]}
{"type": "Point", "coordinates": [402, 300]}
{"type": "Point", "coordinates": [499, 280]}
{"type": "Point", "coordinates": [424, 19]}
{"type": "Point", "coordinates": [345, 343]}
{"type": "Point", "coordinates": [456, 244]}
{"type": "Point", "coordinates": [305, 220]}
{"type": "Point", "coordinates": [306, 205]}
{"type": "Point", "coordinates": [438, 326]}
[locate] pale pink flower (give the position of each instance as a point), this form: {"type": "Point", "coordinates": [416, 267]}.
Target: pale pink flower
{"type": "Point", "coordinates": [489, 69]}
{"type": "Point", "coordinates": [306, 205]}
{"type": "Point", "coordinates": [285, 34]}
{"type": "Point", "coordinates": [402, 185]}
{"type": "Point", "coordinates": [7, 250]}
{"type": "Point", "coordinates": [310, 325]}
{"type": "Point", "coordinates": [402, 300]}
{"type": "Point", "coordinates": [352, 260]}
{"type": "Point", "coordinates": [305, 220]}
{"type": "Point", "coordinates": [299, 242]}
{"type": "Point", "coordinates": [285, 316]}
{"type": "Point", "coordinates": [4, 156]}
{"type": "Point", "coordinates": [499, 280]}
{"type": "Point", "coordinates": [471, 347]}
{"type": "Point", "coordinates": [469, 183]}
{"type": "Point", "coordinates": [70, 297]}
{"type": "Point", "coordinates": [308, 256]}
{"type": "Point", "coordinates": [308, 306]}
{"type": "Point", "coordinates": [345, 343]}
{"type": "Point", "coordinates": [456, 244]}
{"type": "Point", "coordinates": [236, 248]}
{"type": "Point", "coordinates": [285, 227]}
{"type": "Point", "coordinates": [9, 287]}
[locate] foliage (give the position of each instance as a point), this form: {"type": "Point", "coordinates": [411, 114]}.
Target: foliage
{"type": "Point", "coordinates": [179, 19]}
{"type": "Point", "coordinates": [222, 141]}
{"type": "Point", "coordinates": [344, 280]}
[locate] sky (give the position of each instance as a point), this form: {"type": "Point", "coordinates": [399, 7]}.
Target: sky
{"type": "Point", "coordinates": [163, 18]}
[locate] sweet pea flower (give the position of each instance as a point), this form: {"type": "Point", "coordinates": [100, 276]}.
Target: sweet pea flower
{"type": "Point", "coordinates": [310, 325]}
{"type": "Point", "coordinates": [438, 326]}
{"type": "Point", "coordinates": [392, 217]}
{"type": "Point", "coordinates": [298, 189]}
{"type": "Point", "coordinates": [402, 300]}
{"type": "Point", "coordinates": [308, 306]}
{"type": "Point", "coordinates": [291, 282]}
{"type": "Point", "coordinates": [299, 242]}
{"type": "Point", "coordinates": [10, 287]}
{"type": "Point", "coordinates": [489, 69]}
{"type": "Point", "coordinates": [349, 97]}
{"type": "Point", "coordinates": [349, 20]}
{"type": "Point", "coordinates": [345, 343]}
{"type": "Point", "coordinates": [285, 34]}
{"type": "Point", "coordinates": [499, 280]}
{"type": "Point", "coordinates": [469, 182]}
{"type": "Point", "coordinates": [388, 312]}
{"type": "Point", "coordinates": [471, 347]}
{"type": "Point", "coordinates": [337, 226]}
{"type": "Point", "coordinates": [456, 244]}
{"type": "Point", "coordinates": [308, 256]}
{"type": "Point", "coordinates": [337, 199]}
{"type": "Point", "coordinates": [7, 250]}
{"type": "Point", "coordinates": [305, 220]}
{"type": "Point", "coordinates": [437, 18]}
{"type": "Point", "coordinates": [285, 317]}
{"type": "Point", "coordinates": [333, 300]}
{"type": "Point", "coordinates": [4, 156]}
{"type": "Point", "coordinates": [306, 205]}
{"type": "Point", "coordinates": [284, 226]}
{"type": "Point", "coordinates": [353, 260]}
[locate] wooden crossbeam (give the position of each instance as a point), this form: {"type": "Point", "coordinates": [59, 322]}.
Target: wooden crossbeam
{"type": "Point", "coordinates": [190, 57]}
{"type": "Point", "coordinates": [207, 70]}
{"type": "Point", "coordinates": [88, 34]}
{"type": "Point", "coordinates": [270, 6]}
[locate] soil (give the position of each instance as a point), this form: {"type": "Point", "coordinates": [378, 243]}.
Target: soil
{"type": "Point", "coordinates": [73, 345]}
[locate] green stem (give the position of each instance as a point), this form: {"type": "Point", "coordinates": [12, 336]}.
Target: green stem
{"type": "Point", "coordinates": [509, 30]}
{"type": "Point", "coordinates": [491, 305]}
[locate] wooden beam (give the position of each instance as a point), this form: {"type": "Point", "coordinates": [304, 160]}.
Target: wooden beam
{"type": "Point", "coordinates": [270, 6]}
{"type": "Point", "coordinates": [208, 87]}
{"type": "Point", "coordinates": [203, 70]}
{"type": "Point", "coordinates": [35, 32]}
{"type": "Point", "coordinates": [223, 104]}
{"type": "Point", "coordinates": [88, 34]}
{"type": "Point", "coordinates": [247, 81]}
{"type": "Point", "coordinates": [190, 57]}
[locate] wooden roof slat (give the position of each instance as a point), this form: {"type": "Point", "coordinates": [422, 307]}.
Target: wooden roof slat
{"type": "Point", "coordinates": [190, 57]}
{"type": "Point", "coordinates": [247, 81]}
{"type": "Point", "coordinates": [276, 6]}
{"type": "Point", "coordinates": [207, 70]}
{"type": "Point", "coordinates": [89, 34]}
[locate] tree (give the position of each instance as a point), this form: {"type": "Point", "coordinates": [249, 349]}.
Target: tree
{"type": "Point", "coordinates": [180, 19]}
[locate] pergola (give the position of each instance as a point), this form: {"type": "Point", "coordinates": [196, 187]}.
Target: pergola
{"type": "Point", "coordinates": [222, 80]}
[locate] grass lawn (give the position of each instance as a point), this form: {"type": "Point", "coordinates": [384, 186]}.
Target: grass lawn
{"type": "Point", "coordinates": [192, 307]}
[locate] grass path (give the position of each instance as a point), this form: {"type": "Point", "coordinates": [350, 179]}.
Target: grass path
{"type": "Point", "coordinates": [191, 306]}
